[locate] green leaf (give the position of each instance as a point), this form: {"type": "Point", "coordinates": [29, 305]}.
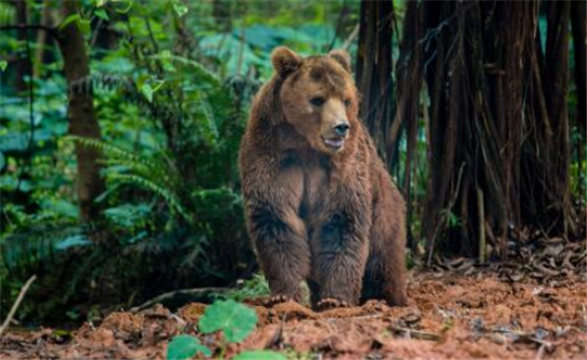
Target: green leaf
{"type": "Point", "coordinates": [102, 14]}
{"type": "Point", "coordinates": [122, 10]}
{"type": "Point", "coordinates": [159, 84]}
{"type": "Point", "coordinates": [84, 26]}
{"type": "Point", "coordinates": [235, 320]}
{"type": "Point", "coordinates": [3, 65]}
{"type": "Point", "coordinates": [260, 355]}
{"type": "Point", "coordinates": [147, 90]}
{"type": "Point", "coordinates": [180, 9]}
{"type": "Point", "coordinates": [185, 347]}
{"type": "Point", "coordinates": [71, 18]}
{"type": "Point", "coordinates": [72, 241]}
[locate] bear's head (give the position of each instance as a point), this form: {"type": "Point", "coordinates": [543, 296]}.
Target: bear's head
{"type": "Point", "coordinates": [318, 97]}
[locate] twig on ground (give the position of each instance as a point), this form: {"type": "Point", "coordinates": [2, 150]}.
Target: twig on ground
{"type": "Point", "coordinates": [175, 299]}
{"type": "Point", "coordinates": [361, 317]}
{"type": "Point", "coordinates": [417, 334]}
{"type": "Point", "coordinates": [16, 304]}
{"type": "Point", "coordinates": [540, 352]}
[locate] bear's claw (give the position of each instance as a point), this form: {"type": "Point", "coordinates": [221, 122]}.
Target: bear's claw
{"type": "Point", "coordinates": [277, 299]}
{"type": "Point", "coordinates": [329, 303]}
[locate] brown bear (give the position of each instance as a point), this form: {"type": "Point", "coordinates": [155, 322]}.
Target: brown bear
{"type": "Point", "coordinates": [319, 203]}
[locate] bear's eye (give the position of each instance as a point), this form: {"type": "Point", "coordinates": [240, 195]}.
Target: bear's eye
{"type": "Point", "coordinates": [317, 101]}
{"type": "Point", "coordinates": [347, 102]}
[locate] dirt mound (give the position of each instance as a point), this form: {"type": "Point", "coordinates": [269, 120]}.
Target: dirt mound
{"type": "Point", "coordinates": [449, 316]}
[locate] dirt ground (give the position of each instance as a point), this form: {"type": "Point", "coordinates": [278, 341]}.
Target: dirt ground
{"type": "Point", "coordinates": [457, 314]}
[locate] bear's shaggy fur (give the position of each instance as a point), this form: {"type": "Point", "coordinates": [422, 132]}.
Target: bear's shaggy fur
{"type": "Point", "coordinates": [320, 205]}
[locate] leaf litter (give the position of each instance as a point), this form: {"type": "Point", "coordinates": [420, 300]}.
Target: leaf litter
{"type": "Point", "coordinates": [458, 310]}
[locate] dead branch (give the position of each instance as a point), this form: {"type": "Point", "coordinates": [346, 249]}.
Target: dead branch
{"type": "Point", "coordinates": [417, 334]}
{"type": "Point", "coordinates": [175, 299]}
{"type": "Point", "coordinates": [16, 304]}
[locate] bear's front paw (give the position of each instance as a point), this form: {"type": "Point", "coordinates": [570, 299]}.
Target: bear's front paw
{"type": "Point", "coordinates": [329, 303]}
{"type": "Point", "coordinates": [277, 299]}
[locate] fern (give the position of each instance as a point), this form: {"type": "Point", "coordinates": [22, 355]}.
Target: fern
{"type": "Point", "coordinates": [86, 84]}
{"type": "Point", "coordinates": [147, 184]}
{"type": "Point", "coordinates": [156, 175]}
{"type": "Point", "coordinates": [200, 70]}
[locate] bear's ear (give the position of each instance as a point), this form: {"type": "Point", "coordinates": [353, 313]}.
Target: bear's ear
{"type": "Point", "coordinates": [342, 57]}
{"type": "Point", "coordinates": [285, 61]}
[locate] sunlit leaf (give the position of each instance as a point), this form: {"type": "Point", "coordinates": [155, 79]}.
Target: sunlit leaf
{"type": "Point", "coordinates": [68, 20]}
{"type": "Point", "coordinates": [147, 91]}
{"type": "Point", "coordinates": [160, 83]}
{"type": "Point", "coordinates": [235, 320]}
{"type": "Point", "coordinates": [102, 14]}
{"type": "Point", "coordinates": [125, 7]}
{"type": "Point", "coordinates": [185, 347]}
{"type": "Point", "coordinates": [180, 9]}
{"type": "Point", "coordinates": [84, 26]}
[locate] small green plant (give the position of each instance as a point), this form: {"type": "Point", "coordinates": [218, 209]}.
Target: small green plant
{"type": "Point", "coordinates": [290, 353]}
{"type": "Point", "coordinates": [252, 288]}
{"type": "Point", "coordinates": [185, 347]}
{"type": "Point", "coordinates": [236, 321]}
{"type": "Point", "coordinates": [259, 355]}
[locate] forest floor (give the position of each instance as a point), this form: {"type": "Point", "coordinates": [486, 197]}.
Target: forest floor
{"type": "Point", "coordinates": [463, 313]}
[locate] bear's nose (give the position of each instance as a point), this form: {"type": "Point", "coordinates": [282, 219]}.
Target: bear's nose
{"type": "Point", "coordinates": [341, 129]}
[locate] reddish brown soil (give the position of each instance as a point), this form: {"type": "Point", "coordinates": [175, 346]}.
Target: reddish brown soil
{"type": "Point", "coordinates": [450, 316]}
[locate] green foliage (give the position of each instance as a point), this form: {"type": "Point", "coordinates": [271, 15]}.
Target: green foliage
{"type": "Point", "coordinates": [259, 355]}
{"type": "Point", "coordinates": [171, 83]}
{"type": "Point", "coordinates": [154, 174]}
{"type": "Point", "coordinates": [252, 288]}
{"type": "Point", "coordinates": [186, 347]}
{"type": "Point", "coordinates": [236, 321]}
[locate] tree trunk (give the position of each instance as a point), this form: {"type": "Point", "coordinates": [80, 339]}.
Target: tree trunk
{"type": "Point", "coordinates": [579, 22]}
{"type": "Point", "coordinates": [497, 148]}
{"type": "Point", "coordinates": [22, 61]}
{"type": "Point", "coordinates": [82, 117]}
{"type": "Point", "coordinates": [409, 79]}
{"type": "Point", "coordinates": [546, 160]}
{"type": "Point", "coordinates": [374, 72]}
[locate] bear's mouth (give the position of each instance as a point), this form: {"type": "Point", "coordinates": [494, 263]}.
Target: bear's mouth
{"type": "Point", "coordinates": [335, 142]}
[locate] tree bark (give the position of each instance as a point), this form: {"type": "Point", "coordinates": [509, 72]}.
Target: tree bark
{"type": "Point", "coordinates": [374, 72]}
{"type": "Point", "coordinates": [546, 160]}
{"type": "Point", "coordinates": [491, 106]}
{"type": "Point", "coordinates": [81, 113]}
{"type": "Point", "coordinates": [579, 24]}
{"type": "Point", "coordinates": [409, 79]}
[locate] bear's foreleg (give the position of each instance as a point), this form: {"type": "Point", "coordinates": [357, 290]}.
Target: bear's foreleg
{"type": "Point", "coordinates": [340, 250]}
{"type": "Point", "coordinates": [280, 239]}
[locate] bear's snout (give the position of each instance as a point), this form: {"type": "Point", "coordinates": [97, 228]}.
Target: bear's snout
{"type": "Point", "coordinates": [342, 129]}
{"type": "Point", "coordinates": [336, 135]}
